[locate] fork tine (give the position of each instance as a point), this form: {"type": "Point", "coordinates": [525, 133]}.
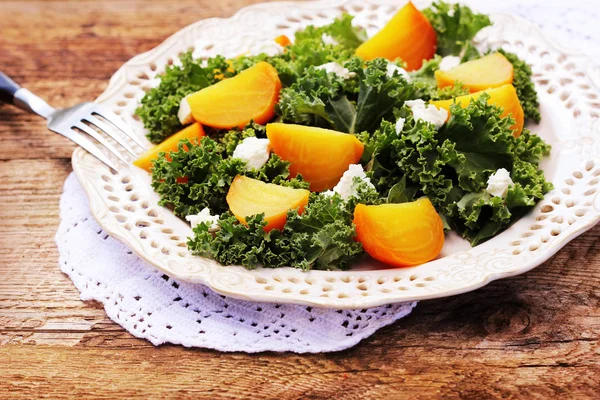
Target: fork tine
{"type": "Point", "coordinates": [110, 132]}
{"type": "Point", "coordinates": [118, 122]}
{"type": "Point", "coordinates": [87, 145]}
{"type": "Point", "coordinates": [101, 140]}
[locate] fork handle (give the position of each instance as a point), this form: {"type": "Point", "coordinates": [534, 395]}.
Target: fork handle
{"type": "Point", "coordinates": [12, 93]}
{"type": "Point", "coordinates": [8, 88]}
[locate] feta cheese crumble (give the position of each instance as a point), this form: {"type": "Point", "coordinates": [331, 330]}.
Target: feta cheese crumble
{"type": "Point", "coordinates": [400, 125]}
{"type": "Point", "coordinates": [328, 39]}
{"type": "Point", "coordinates": [346, 187]}
{"type": "Point", "coordinates": [203, 216]}
{"type": "Point", "coordinates": [427, 112]}
{"type": "Point", "coordinates": [253, 151]}
{"type": "Point", "coordinates": [337, 69]}
{"type": "Point", "coordinates": [449, 62]}
{"type": "Point", "coordinates": [391, 68]}
{"type": "Point", "coordinates": [185, 112]}
{"type": "Point", "coordinates": [498, 183]}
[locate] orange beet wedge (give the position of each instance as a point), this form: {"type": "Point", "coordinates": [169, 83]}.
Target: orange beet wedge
{"type": "Point", "coordinates": [320, 155]}
{"type": "Point", "coordinates": [486, 72]}
{"type": "Point", "coordinates": [504, 96]}
{"type": "Point", "coordinates": [234, 102]}
{"type": "Point", "coordinates": [193, 133]}
{"type": "Point", "coordinates": [408, 35]}
{"type": "Point", "coordinates": [283, 40]}
{"type": "Point", "coordinates": [249, 196]}
{"type": "Point", "coordinates": [400, 234]}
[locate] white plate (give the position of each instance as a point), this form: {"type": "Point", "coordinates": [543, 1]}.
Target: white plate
{"type": "Point", "coordinates": [126, 206]}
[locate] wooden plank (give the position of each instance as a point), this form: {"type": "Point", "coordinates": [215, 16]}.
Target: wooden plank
{"type": "Point", "coordinates": [402, 372]}
{"type": "Point", "coordinates": [34, 294]}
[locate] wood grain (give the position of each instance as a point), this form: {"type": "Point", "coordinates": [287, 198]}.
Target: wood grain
{"type": "Point", "coordinates": [532, 336]}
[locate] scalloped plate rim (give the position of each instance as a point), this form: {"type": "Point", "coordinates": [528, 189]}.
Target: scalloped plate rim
{"type": "Point", "coordinates": [316, 301]}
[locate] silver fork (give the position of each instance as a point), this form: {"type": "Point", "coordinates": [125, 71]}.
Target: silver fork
{"type": "Point", "coordinates": [75, 123]}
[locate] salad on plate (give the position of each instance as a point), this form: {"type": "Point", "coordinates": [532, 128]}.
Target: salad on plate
{"type": "Point", "coordinates": [332, 145]}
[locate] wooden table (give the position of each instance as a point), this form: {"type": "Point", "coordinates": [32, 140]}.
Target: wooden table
{"type": "Point", "coordinates": [535, 335]}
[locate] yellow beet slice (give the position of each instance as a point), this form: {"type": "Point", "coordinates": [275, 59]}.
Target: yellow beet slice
{"type": "Point", "coordinates": [320, 155]}
{"type": "Point", "coordinates": [249, 196]}
{"type": "Point", "coordinates": [193, 133]}
{"type": "Point", "coordinates": [486, 72]}
{"type": "Point", "coordinates": [400, 234]}
{"type": "Point", "coordinates": [283, 40]}
{"type": "Point", "coordinates": [408, 35]}
{"type": "Point", "coordinates": [234, 102]}
{"type": "Point", "coordinates": [504, 96]}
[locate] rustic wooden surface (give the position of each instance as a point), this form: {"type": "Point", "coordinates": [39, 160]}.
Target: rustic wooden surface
{"type": "Point", "coordinates": [536, 335]}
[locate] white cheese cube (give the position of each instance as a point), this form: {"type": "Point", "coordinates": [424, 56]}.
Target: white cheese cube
{"type": "Point", "coordinates": [346, 187]}
{"type": "Point", "coordinates": [499, 182]}
{"type": "Point", "coordinates": [253, 151]}
{"type": "Point", "coordinates": [427, 112]}
{"type": "Point", "coordinates": [185, 112]}
{"type": "Point", "coordinates": [203, 216]}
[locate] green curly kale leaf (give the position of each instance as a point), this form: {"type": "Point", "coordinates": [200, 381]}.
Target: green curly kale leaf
{"type": "Point", "coordinates": [401, 192]}
{"type": "Point", "coordinates": [322, 237]}
{"type": "Point", "coordinates": [350, 105]}
{"type": "Point", "coordinates": [487, 144]}
{"type": "Point", "coordinates": [451, 166]}
{"type": "Point", "coordinates": [312, 47]}
{"type": "Point", "coordinates": [200, 177]}
{"type": "Point", "coordinates": [380, 94]}
{"type": "Point", "coordinates": [531, 147]}
{"type": "Point", "coordinates": [482, 142]}
{"type": "Point", "coordinates": [524, 85]}
{"type": "Point", "coordinates": [277, 171]}
{"type": "Point", "coordinates": [196, 178]}
{"type": "Point", "coordinates": [455, 26]}
{"type": "Point", "coordinates": [342, 31]}
{"type": "Point", "coordinates": [307, 100]}
{"type": "Point", "coordinates": [234, 243]}
{"type": "Point", "coordinates": [424, 78]}
{"type": "Point", "coordinates": [159, 107]}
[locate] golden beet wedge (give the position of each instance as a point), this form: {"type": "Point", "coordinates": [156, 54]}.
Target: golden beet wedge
{"type": "Point", "coordinates": [321, 156]}
{"type": "Point", "coordinates": [401, 235]}
{"type": "Point", "coordinates": [486, 72]}
{"type": "Point", "coordinates": [193, 133]}
{"type": "Point", "coordinates": [233, 102]}
{"type": "Point", "coordinates": [408, 36]}
{"type": "Point", "coordinates": [283, 40]}
{"type": "Point", "coordinates": [504, 96]}
{"type": "Point", "coordinates": [247, 197]}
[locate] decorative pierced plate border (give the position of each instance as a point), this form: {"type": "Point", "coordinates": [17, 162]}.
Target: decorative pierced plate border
{"type": "Point", "coordinates": [569, 85]}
